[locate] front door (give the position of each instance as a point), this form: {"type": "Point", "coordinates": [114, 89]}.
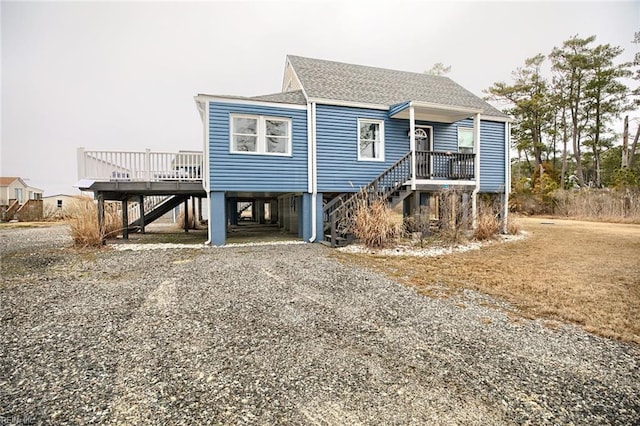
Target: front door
{"type": "Point", "coordinates": [423, 146]}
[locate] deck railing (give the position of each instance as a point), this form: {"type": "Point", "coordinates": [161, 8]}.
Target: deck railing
{"type": "Point", "coordinates": [145, 166]}
{"type": "Point", "coordinates": [445, 165]}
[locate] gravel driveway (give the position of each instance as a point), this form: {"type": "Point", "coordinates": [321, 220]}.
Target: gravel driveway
{"type": "Point", "coordinates": [274, 335]}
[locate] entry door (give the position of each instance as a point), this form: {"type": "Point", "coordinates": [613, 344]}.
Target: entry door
{"type": "Point", "coordinates": [423, 159]}
{"type": "Point", "coordinates": [423, 139]}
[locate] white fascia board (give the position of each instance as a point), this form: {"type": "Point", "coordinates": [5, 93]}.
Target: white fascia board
{"type": "Point", "coordinates": [498, 119]}
{"type": "Point", "coordinates": [431, 105]}
{"type": "Point", "coordinates": [245, 101]}
{"type": "Point", "coordinates": [349, 104]}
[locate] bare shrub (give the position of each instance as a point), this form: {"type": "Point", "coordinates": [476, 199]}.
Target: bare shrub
{"type": "Point", "coordinates": [454, 216]}
{"type": "Point", "coordinates": [487, 226]}
{"type": "Point", "coordinates": [375, 224]}
{"type": "Point", "coordinates": [513, 226]}
{"type": "Point", "coordinates": [83, 221]}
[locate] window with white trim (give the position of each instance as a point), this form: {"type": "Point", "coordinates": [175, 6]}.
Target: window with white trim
{"type": "Point", "coordinates": [259, 134]}
{"type": "Point", "coordinates": [465, 140]}
{"type": "Point", "coordinates": [370, 140]}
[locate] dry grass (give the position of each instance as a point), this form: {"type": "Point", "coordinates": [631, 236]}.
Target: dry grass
{"type": "Point", "coordinates": [582, 272]}
{"type": "Point", "coordinates": [513, 225]}
{"type": "Point", "coordinates": [375, 224]}
{"type": "Point", "coordinates": [83, 222]}
{"type": "Point", "coordinates": [599, 204]}
{"type": "Point", "coordinates": [191, 220]}
{"type": "Point", "coordinates": [487, 227]}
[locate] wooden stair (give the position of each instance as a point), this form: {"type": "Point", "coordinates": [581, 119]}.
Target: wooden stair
{"type": "Point", "coordinates": [390, 185]}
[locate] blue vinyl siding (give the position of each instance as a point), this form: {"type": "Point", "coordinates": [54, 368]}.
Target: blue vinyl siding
{"type": "Point", "coordinates": [337, 147]}
{"type": "Point", "coordinates": [252, 172]}
{"type": "Point", "coordinates": [492, 156]}
{"type": "Point", "coordinates": [491, 149]}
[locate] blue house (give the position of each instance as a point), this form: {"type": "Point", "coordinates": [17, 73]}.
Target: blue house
{"type": "Point", "coordinates": [336, 128]}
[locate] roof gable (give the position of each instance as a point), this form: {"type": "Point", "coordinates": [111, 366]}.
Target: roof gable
{"type": "Point", "coordinates": [6, 181]}
{"type": "Point", "coordinates": [339, 81]}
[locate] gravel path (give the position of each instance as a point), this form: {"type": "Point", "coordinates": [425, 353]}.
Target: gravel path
{"type": "Point", "coordinates": [278, 334]}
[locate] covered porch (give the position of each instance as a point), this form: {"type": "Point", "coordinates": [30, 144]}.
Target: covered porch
{"type": "Point", "coordinates": [433, 167]}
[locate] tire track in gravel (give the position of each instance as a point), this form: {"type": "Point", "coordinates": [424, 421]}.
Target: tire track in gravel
{"type": "Point", "coordinates": [135, 389]}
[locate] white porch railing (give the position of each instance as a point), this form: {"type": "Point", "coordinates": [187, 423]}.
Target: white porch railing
{"type": "Point", "coordinates": [142, 166]}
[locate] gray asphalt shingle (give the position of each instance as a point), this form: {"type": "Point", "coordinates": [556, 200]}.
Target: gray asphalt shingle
{"type": "Point", "coordinates": [340, 81]}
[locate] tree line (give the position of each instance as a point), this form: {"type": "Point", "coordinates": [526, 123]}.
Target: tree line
{"type": "Point", "coordinates": [565, 106]}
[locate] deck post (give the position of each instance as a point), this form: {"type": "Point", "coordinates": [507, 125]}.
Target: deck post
{"type": "Point", "coordinates": [101, 215]}
{"type": "Point", "coordinates": [125, 219]}
{"type": "Point", "coordinates": [193, 211]}
{"type": "Point", "coordinates": [186, 215]}
{"type": "Point", "coordinates": [141, 207]}
{"type": "Point", "coordinates": [199, 209]}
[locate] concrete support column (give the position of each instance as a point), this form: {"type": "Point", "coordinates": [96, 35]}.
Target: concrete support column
{"type": "Point", "coordinates": [233, 210]}
{"type": "Point", "coordinates": [302, 204]}
{"type": "Point", "coordinates": [218, 225]}
{"type": "Point", "coordinates": [260, 210]}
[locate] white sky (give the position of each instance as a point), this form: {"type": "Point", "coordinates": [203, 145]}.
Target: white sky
{"type": "Point", "coordinates": [123, 75]}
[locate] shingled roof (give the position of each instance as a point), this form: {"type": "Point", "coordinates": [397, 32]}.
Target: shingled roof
{"type": "Point", "coordinates": [339, 81]}
{"type": "Point", "coordinates": [293, 97]}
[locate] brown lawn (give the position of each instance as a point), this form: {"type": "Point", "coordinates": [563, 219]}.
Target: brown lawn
{"type": "Point", "coordinates": [586, 273]}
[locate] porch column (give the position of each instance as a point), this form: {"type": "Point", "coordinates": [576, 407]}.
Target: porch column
{"type": "Point", "coordinates": [412, 144]}
{"type": "Point", "coordinates": [507, 175]}
{"type": "Point", "coordinates": [476, 169]}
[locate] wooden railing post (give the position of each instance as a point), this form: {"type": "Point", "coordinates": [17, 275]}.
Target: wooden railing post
{"type": "Point", "coordinates": [82, 165]}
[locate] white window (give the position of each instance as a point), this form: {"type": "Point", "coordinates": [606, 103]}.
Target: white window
{"type": "Point", "coordinates": [258, 134]}
{"type": "Point", "coordinates": [465, 140]}
{"type": "Point", "coordinates": [18, 192]}
{"type": "Point", "coordinates": [370, 140]}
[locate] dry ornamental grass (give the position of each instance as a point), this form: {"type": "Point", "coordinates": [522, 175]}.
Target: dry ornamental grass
{"type": "Point", "coordinates": [83, 222]}
{"type": "Point", "coordinates": [375, 224]}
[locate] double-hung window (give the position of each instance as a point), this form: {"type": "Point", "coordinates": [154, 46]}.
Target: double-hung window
{"type": "Point", "coordinates": [259, 134]}
{"type": "Point", "coordinates": [370, 140]}
{"type": "Point", "coordinates": [465, 140]}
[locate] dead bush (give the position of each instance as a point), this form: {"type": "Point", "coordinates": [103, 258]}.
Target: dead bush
{"type": "Point", "coordinates": [487, 226]}
{"type": "Point", "coordinates": [375, 224]}
{"type": "Point", "coordinates": [454, 216]}
{"type": "Point", "coordinates": [513, 226]}
{"type": "Point", "coordinates": [83, 221]}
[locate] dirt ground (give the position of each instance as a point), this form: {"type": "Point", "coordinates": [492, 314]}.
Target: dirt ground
{"type": "Point", "coordinates": [587, 273]}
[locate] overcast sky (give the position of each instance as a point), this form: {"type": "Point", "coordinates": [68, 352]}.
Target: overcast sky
{"type": "Point", "coordinates": [115, 76]}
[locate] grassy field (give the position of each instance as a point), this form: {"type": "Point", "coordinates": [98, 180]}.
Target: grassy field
{"type": "Point", "coordinates": [586, 273]}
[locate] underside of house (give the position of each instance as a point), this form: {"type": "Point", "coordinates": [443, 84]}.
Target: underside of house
{"type": "Point", "coordinates": [298, 160]}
